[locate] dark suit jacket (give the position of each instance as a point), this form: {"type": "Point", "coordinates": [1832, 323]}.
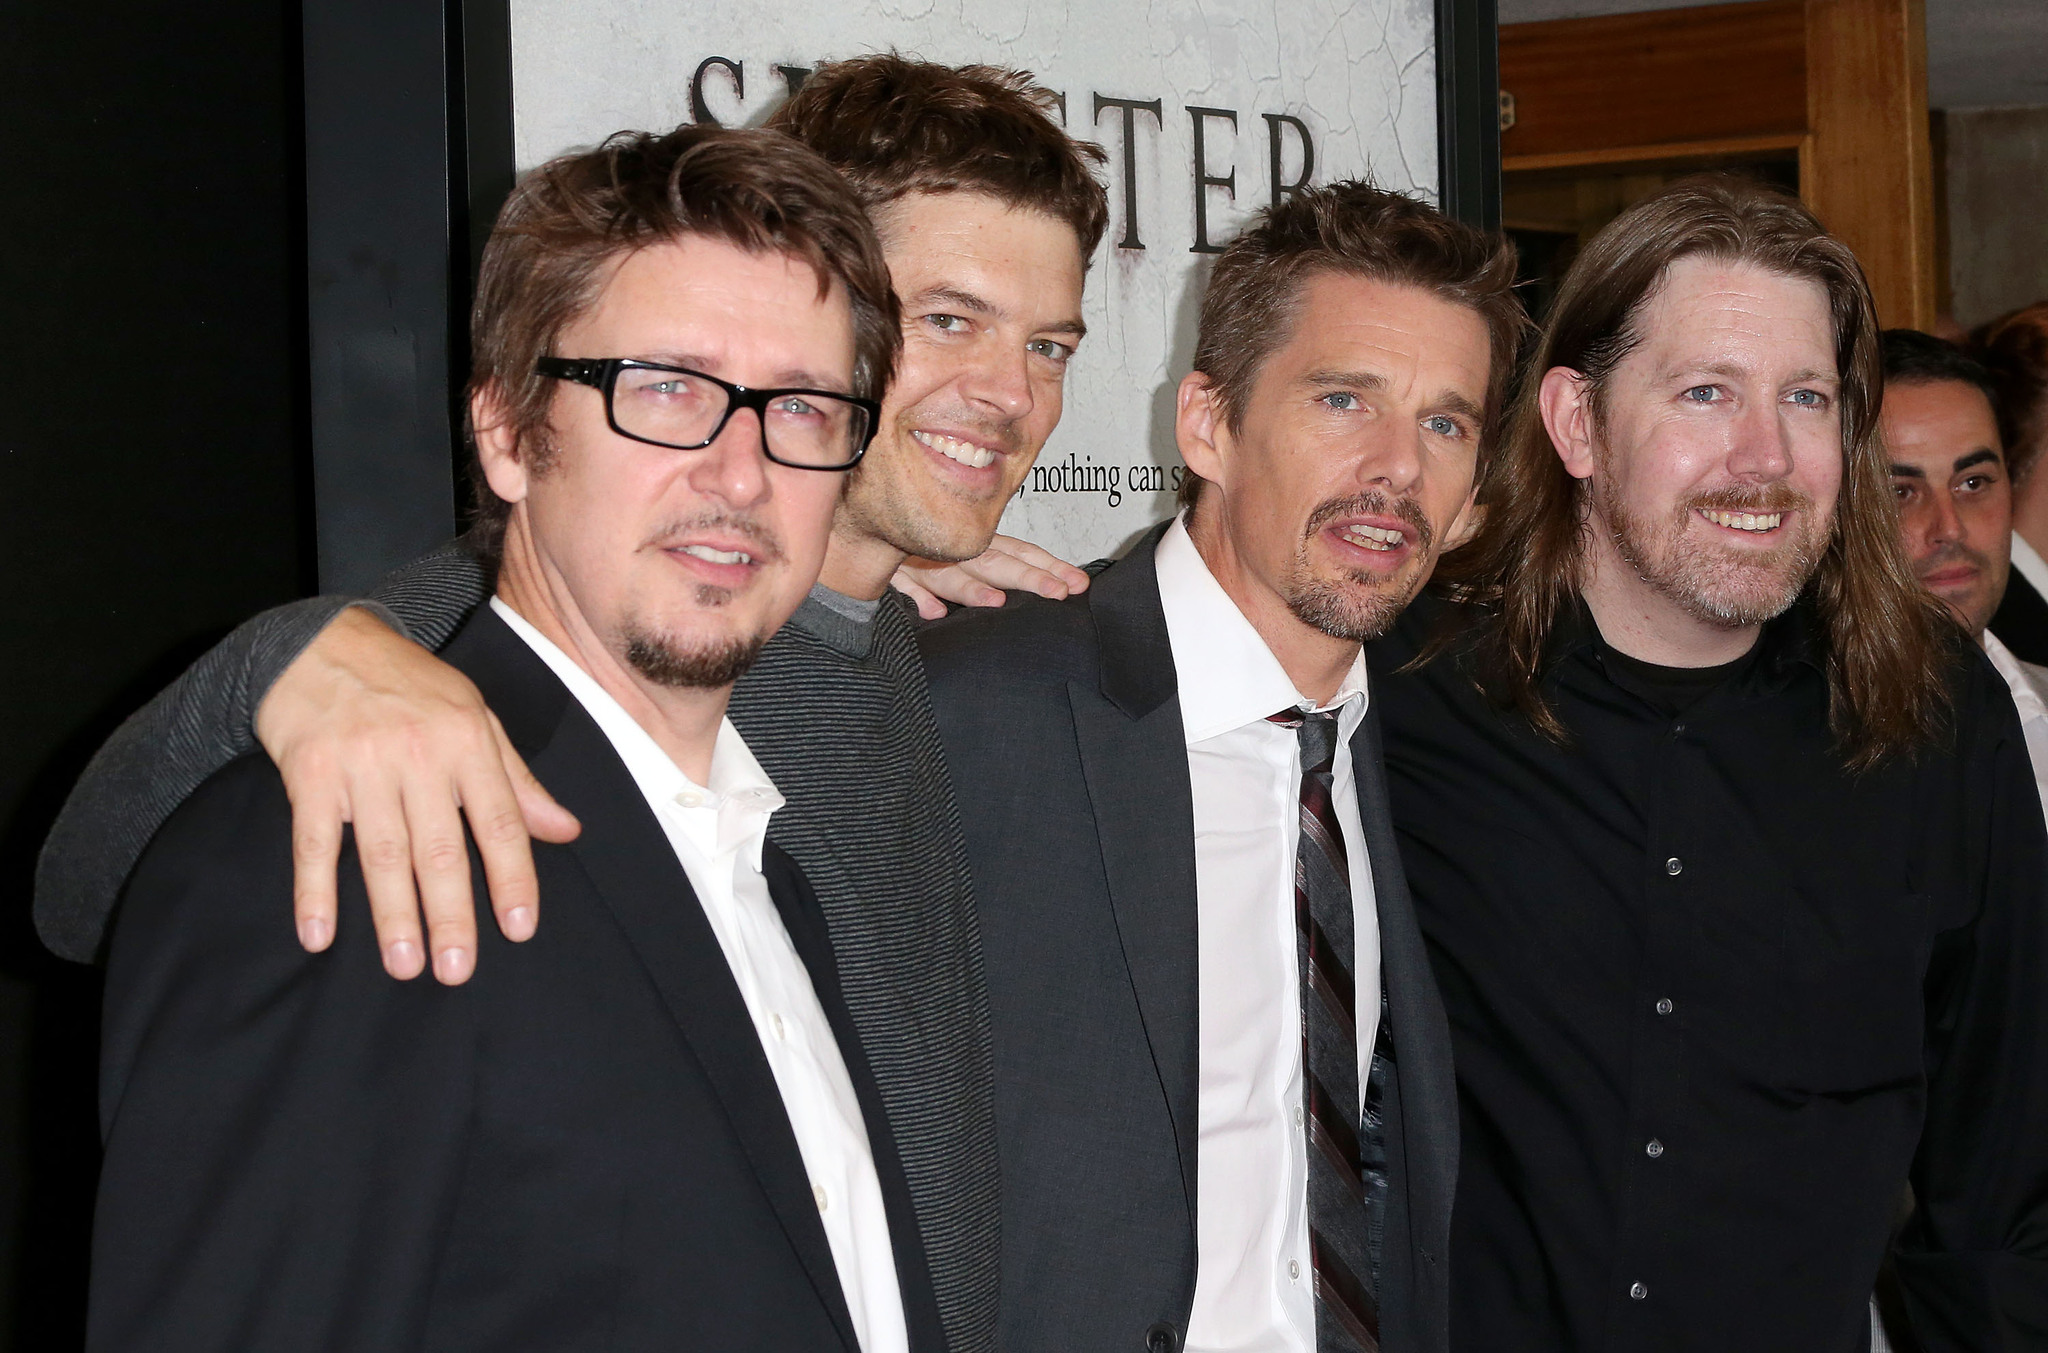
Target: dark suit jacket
{"type": "Point", "coordinates": [583, 1148]}
{"type": "Point", "coordinates": [2021, 621]}
{"type": "Point", "coordinates": [1063, 728]}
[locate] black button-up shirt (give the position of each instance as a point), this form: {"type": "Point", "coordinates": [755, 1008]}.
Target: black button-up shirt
{"type": "Point", "coordinates": [1713, 996]}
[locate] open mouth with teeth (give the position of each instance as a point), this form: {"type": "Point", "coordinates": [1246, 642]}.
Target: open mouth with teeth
{"type": "Point", "coordinates": [1373, 537]}
{"type": "Point", "coordinates": [712, 556]}
{"type": "Point", "coordinates": [1756, 522]}
{"type": "Point", "coordinates": [952, 448]}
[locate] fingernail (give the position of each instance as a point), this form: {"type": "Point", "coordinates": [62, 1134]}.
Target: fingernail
{"type": "Point", "coordinates": [314, 932]}
{"type": "Point", "coordinates": [519, 921]}
{"type": "Point", "coordinates": [403, 959]}
{"type": "Point", "coordinates": [451, 965]}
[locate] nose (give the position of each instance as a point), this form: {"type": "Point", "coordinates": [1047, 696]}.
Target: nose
{"type": "Point", "coordinates": [734, 468]}
{"type": "Point", "coordinates": [1762, 451]}
{"type": "Point", "coordinates": [1391, 458]}
{"type": "Point", "coordinates": [1000, 380]}
{"type": "Point", "coordinates": [1941, 522]}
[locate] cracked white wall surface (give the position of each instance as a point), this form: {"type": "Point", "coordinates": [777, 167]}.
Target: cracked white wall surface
{"type": "Point", "coordinates": [1361, 75]}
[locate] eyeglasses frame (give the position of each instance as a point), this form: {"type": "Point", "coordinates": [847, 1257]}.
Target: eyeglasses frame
{"type": "Point", "coordinates": [602, 375]}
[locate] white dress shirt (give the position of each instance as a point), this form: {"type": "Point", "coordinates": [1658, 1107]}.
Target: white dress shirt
{"type": "Point", "coordinates": [2029, 685]}
{"type": "Point", "coordinates": [2029, 563]}
{"type": "Point", "coordinates": [1254, 1289]}
{"type": "Point", "coordinates": [717, 831]}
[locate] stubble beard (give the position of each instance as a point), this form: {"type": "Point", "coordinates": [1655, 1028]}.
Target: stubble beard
{"type": "Point", "coordinates": [1354, 605]}
{"type": "Point", "coordinates": [883, 501]}
{"type": "Point", "coordinates": [1712, 584]}
{"type": "Point", "coordinates": [668, 659]}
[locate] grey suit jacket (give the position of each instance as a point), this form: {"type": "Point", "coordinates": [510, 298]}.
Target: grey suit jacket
{"type": "Point", "coordinates": [1062, 724]}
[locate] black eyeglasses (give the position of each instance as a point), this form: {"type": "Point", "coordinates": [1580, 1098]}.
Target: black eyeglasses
{"type": "Point", "coordinates": [677, 407]}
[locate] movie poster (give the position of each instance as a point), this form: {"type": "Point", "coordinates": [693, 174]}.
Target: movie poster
{"type": "Point", "coordinates": [1208, 110]}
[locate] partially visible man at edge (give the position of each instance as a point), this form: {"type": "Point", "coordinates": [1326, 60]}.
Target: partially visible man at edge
{"type": "Point", "coordinates": [1955, 495]}
{"type": "Point", "coordinates": [988, 214]}
{"type": "Point", "coordinates": [2013, 350]}
{"type": "Point", "coordinates": [1724, 840]}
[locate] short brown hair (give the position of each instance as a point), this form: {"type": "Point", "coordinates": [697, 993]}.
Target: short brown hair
{"type": "Point", "coordinates": [1884, 633]}
{"type": "Point", "coordinates": [547, 259]}
{"type": "Point", "coordinates": [1356, 229]}
{"type": "Point", "coordinates": [2014, 348]}
{"type": "Point", "coordinates": [895, 126]}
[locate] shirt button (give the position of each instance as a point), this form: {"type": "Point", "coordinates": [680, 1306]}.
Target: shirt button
{"type": "Point", "coordinates": [690, 798]}
{"type": "Point", "coordinates": [775, 1023]}
{"type": "Point", "coordinates": [1678, 728]}
{"type": "Point", "coordinates": [1673, 865]}
{"type": "Point", "coordinates": [1297, 1115]}
{"type": "Point", "coordinates": [818, 1192]}
{"type": "Point", "coordinates": [1664, 1006]}
{"type": "Point", "coordinates": [1637, 1291]}
{"type": "Point", "coordinates": [1655, 1148]}
{"type": "Point", "coordinates": [1294, 1269]}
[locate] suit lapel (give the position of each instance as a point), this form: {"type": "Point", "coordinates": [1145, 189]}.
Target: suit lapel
{"type": "Point", "coordinates": [629, 861]}
{"type": "Point", "coordinates": [1134, 759]}
{"type": "Point", "coordinates": [1422, 1038]}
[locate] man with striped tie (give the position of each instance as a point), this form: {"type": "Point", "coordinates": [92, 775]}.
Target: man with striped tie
{"type": "Point", "coordinates": [1224, 1095]}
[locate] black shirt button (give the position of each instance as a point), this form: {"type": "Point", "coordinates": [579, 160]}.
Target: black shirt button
{"type": "Point", "coordinates": [1638, 1292]}
{"type": "Point", "coordinates": [1664, 1006]}
{"type": "Point", "coordinates": [1162, 1338]}
{"type": "Point", "coordinates": [1678, 728]}
{"type": "Point", "coordinates": [1674, 865]}
{"type": "Point", "coordinates": [1655, 1148]}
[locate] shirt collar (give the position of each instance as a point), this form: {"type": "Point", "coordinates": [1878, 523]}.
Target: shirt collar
{"type": "Point", "coordinates": [731, 812]}
{"type": "Point", "coordinates": [2029, 564]}
{"type": "Point", "coordinates": [1789, 640]}
{"type": "Point", "coordinates": [1228, 678]}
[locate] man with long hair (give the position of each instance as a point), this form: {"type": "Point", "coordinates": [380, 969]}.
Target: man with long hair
{"type": "Point", "coordinates": [1723, 836]}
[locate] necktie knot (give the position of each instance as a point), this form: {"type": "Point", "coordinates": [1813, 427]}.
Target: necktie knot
{"type": "Point", "coordinates": [1315, 732]}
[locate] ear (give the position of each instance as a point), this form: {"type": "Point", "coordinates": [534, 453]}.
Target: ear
{"type": "Point", "coordinates": [1566, 400]}
{"type": "Point", "coordinates": [1466, 524]}
{"type": "Point", "coordinates": [497, 445]}
{"type": "Point", "coordinates": [1199, 428]}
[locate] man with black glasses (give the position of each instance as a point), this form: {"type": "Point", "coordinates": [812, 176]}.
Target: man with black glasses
{"type": "Point", "coordinates": [988, 216]}
{"type": "Point", "coordinates": [651, 1126]}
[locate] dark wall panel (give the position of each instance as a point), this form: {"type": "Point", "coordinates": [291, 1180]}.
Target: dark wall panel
{"type": "Point", "coordinates": [153, 477]}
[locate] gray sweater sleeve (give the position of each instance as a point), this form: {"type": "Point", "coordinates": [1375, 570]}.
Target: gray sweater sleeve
{"type": "Point", "coordinates": [198, 724]}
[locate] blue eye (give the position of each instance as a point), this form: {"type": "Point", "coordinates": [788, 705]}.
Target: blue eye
{"type": "Point", "coordinates": [1341, 400]}
{"type": "Point", "coordinates": [1443, 426]}
{"type": "Point", "coordinates": [1809, 399]}
{"type": "Point", "coordinates": [1702, 394]}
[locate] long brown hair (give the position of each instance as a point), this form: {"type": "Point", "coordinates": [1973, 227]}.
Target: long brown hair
{"type": "Point", "coordinates": [1886, 638]}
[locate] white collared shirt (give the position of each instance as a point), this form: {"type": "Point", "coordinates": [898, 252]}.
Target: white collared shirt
{"type": "Point", "coordinates": [1254, 1289]}
{"type": "Point", "coordinates": [717, 832]}
{"type": "Point", "coordinates": [2029, 686]}
{"type": "Point", "coordinates": [2030, 564]}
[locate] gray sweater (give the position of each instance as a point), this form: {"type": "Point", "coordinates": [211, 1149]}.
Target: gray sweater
{"type": "Point", "coordinates": [838, 713]}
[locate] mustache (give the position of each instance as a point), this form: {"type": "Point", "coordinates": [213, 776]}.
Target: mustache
{"type": "Point", "coordinates": [766, 547]}
{"type": "Point", "coordinates": [1778, 497]}
{"type": "Point", "coordinates": [1951, 553]}
{"type": "Point", "coordinates": [1407, 510]}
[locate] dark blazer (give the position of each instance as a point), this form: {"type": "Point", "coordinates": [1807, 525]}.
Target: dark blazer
{"type": "Point", "coordinates": [2021, 621]}
{"type": "Point", "coordinates": [1063, 729]}
{"type": "Point", "coordinates": [582, 1148]}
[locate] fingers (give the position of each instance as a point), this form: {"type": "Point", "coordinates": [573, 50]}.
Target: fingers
{"type": "Point", "coordinates": [496, 790]}
{"type": "Point", "coordinates": [440, 864]}
{"type": "Point", "coordinates": [908, 582]}
{"type": "Point", "coordinates": [317, 817]}
{"type": "Point", "coordinates": [384, 850]}
{"type": "Point", "coordinates": [1050, 575]}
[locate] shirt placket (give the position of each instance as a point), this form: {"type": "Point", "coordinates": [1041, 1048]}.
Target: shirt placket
{"type": "Point", "coordinates": [1675, 869]}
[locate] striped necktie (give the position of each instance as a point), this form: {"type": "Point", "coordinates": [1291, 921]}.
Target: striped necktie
{"type": "Point", "coordinates": [1346, 1150]}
